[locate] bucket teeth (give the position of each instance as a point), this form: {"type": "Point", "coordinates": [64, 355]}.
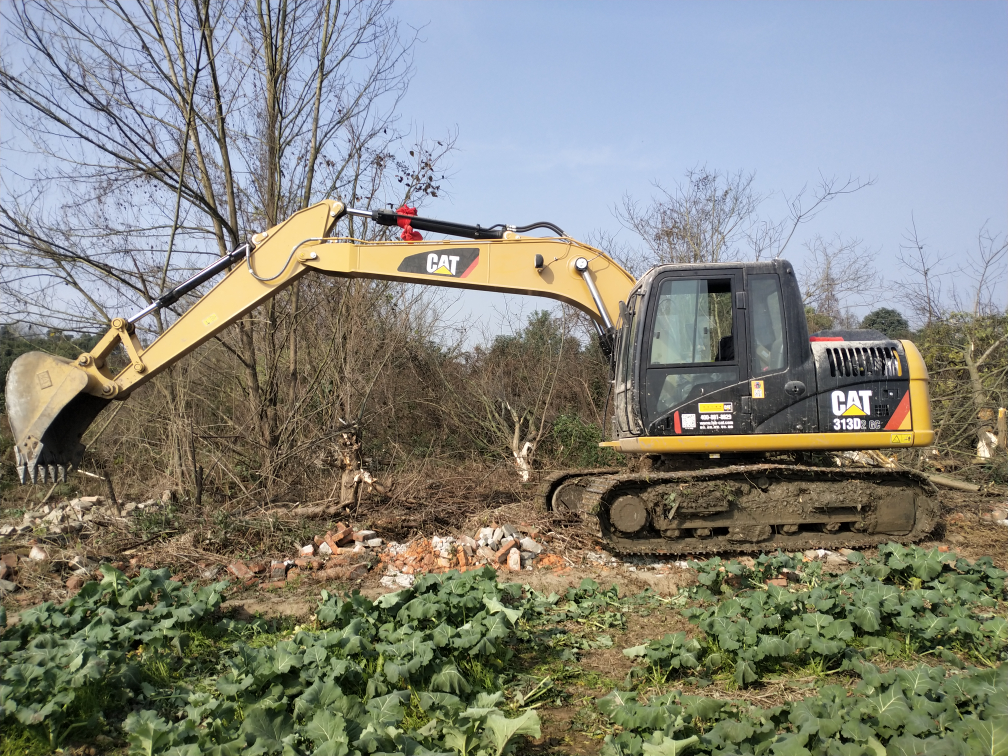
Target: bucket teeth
{"type": "Point", "coordinates": [33, 472]}
{"type": "Point", "coordinates": [61, 470]}
{"type": "Point", "coordinates": [52, 473]}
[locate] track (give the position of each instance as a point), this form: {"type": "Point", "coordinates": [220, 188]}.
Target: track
{"type": "Point", "coordinates": [747, 508]}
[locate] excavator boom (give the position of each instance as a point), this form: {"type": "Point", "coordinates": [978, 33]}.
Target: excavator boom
{"type": "Point", "coordinates": [51, 400]}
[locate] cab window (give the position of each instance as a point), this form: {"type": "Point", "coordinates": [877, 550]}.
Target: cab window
{"type": "Point", "coordinates": [692, 342]}
{"type": "Point", "coordinates": [769, 347]}
{"type": "Point", "coordinates": [693, 322]}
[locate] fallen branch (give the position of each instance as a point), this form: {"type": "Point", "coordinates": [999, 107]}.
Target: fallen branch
{"type": "Point", "coordinates": [959, 485]}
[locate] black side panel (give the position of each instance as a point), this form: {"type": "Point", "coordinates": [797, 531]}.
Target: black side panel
{"type": "Point", "coordinates": [863, 385]}
{"type": "Point", "coordinates": [781, 398]}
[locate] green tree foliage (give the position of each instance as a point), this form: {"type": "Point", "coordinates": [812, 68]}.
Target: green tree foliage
{"type": "Point", "coordinates": [888, 321]}
{"type": "Point", "coordinates": [817, 321]}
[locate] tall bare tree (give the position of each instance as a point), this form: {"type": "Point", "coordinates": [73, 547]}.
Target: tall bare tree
{"type": "Point", "coordinates": [187, 125]}
{"type": "Point", "coordinates": [714, 216]}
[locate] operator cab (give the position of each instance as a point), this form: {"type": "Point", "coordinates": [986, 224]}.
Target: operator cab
{"type": "Point", "coordinates": [712, 350]}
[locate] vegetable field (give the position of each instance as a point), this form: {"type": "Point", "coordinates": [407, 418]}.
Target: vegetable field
{"type": "Point", "coordinates": [904, 653]}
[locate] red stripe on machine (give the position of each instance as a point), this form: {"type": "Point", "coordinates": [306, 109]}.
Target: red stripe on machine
{"type": "Point", "coordinates": [900, 414]}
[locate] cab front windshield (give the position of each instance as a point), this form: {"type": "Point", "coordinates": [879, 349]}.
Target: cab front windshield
{"type": "Point", "coordinates": [693, 326]}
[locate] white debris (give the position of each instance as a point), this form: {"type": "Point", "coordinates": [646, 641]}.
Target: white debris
{"type": "Point", "coordinates": [527, 544]}
{"type": "Point", "coordinates": [38, 554]}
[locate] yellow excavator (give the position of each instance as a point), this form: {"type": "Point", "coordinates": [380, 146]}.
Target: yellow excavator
{"type": "Point", "coordinates": [716, 382]}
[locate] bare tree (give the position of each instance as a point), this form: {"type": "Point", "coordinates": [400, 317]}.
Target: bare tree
{"type": "Point", "coordinates": [714, 217]}
{"type": "Point", "coordinates": [926, 269]}
{"type": "Point", "coordinates": [838, 274]}
{"type": "Point", "coordinates": [190, 124]}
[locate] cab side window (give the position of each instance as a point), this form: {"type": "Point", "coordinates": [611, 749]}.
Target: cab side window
{"type": "Point", "coordinates": [769, 347]}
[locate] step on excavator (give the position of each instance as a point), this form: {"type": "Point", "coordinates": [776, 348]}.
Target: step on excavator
{"type": "Point", "coordinates": [716, 382]}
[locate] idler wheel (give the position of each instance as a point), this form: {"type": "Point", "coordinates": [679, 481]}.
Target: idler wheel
{"type": "Point", "coordinates": [628, 514]}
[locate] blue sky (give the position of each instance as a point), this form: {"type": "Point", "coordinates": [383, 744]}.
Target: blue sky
{"type": "Point", "coordinates": [562, 108]}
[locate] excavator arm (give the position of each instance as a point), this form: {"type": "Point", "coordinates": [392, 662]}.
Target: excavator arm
{"type": "Point", "coordinates": [51, 401]}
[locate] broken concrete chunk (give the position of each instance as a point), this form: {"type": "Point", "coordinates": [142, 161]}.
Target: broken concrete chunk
{"type": "Point", "coordinates": [278, 571]}
{"type": "Point", "coordinates": [364, 535]}
{"type": "Point", "coordinates": [38, 554]}
{"type": "Point", "coordinates": [498, 535]}
{"type": "Point", "coordinates": [467, 541]}
{"type": "Point", "coordinates": [325, 549]}
{"type": "Point", "coordinates": [487, 553]}
{"type": "Point", "coordinates": [511, 531]}
{"type": "Point", "coordinates": [6, 586]}
{"type": "Point", "coordinates": [514, 560]}
{"type": "Point", "coordinates": [527, 544]}
{"type": "Point", "coordinates": [374, 543]}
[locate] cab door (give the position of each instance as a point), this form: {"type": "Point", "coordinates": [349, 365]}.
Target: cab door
{"type": "Point", "coordinates": [782, 383]}
{"type": "Point", "coordinates": [694, 354]}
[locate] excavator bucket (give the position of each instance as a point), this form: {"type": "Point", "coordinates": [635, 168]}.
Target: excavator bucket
{"type": "Point", "coordinates": [49, 409]}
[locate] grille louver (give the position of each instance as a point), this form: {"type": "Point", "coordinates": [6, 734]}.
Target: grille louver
{"type": "Point", "coordinates": [882, 362]}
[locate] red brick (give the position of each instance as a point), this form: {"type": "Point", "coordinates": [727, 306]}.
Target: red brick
{"type": "Point", "coordinates": [10, 560]}
{"type": "Point", "coordinates": [270, 586]}
{"type": "Point", "coordinates": [239, 570]}
{"type": "Point", "coordinates": [502, 553]}
{"type": "Point", "coordinates": [75, 582]}
{"type": "Point", "coordinates": [257, 568]}
{"type": "Point", "coordinates": [779, 582]}
{"type": "Point", "coordinates": [344, 534]}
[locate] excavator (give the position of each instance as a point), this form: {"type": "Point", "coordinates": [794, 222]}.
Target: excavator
{"type": "Point", "coordinates": [717, 385]}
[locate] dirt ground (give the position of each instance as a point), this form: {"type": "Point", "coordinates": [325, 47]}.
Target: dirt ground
{"type": "Point", "coordinates": [194, 557]}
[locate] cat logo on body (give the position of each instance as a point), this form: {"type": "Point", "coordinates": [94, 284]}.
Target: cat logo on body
{"type": "Point", "coordinates": [452, 263]}
{"type": "Point", "coordinates": [851, 409]}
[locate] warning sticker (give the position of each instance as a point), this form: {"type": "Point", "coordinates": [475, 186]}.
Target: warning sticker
{"type": "Point", "coordinates": [756, 388]}
{"type": "Point", "coordinates": [902, 439]}
{"type": "Point", "coordinates": [716, 407]}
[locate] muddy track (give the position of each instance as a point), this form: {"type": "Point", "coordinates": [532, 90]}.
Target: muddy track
{"type": "Point", "coordinates": [746, 508]}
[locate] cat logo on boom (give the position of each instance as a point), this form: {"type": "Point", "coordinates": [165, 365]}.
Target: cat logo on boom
{"type": "Point", "coordinates": [451, 263]}
{"type": "Point", "coordinates": [851, 409]}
